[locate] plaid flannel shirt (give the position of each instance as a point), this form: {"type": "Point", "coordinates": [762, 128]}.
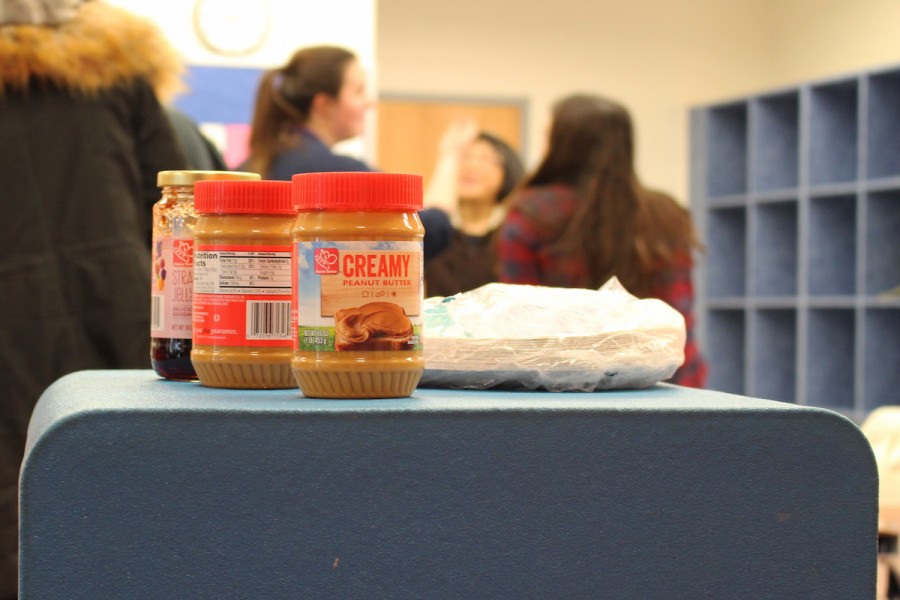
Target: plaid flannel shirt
{"type": "Point", "coordinates": [532, 226]}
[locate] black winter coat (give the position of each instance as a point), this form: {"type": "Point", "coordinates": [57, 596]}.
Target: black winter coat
{"type": "Point", "coordinates": [82, 137]}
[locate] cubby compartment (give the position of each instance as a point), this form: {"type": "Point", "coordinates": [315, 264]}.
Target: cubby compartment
{"type": "Point", "coordinates": [831, 248]}
{"type": "Point", "coordinates": [829, 358]}
{"type": "Point", "coordinates": [801, 276]}
{"type": "Point", "coordinates": [883, 243]}
{"type": "Point", "coordinates": [833, 132]}
{"type": "Point", "coordinates": [882, 357]}
{"type": "Point", "coordinates": [727, 142]}
{"type": "Point", "coordinates": [775, 249]}
{"type": "Point", "coordinates": [726, 240]}
{"type": "Point", "coordinates": [726, 343]}
{"type": "Point", "coordinates": [775, 142]}
{"type": "Point", "coordinates": [775, 354]}
{"type": "Point", "coordinates": [884, 125]}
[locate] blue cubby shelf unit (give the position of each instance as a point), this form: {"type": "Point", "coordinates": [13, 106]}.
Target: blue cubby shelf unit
{"type": "Point", "coordinates": [796, 194]}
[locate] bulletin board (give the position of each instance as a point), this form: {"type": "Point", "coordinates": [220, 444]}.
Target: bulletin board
{"type": "Point", "coordinates": [220, 100]}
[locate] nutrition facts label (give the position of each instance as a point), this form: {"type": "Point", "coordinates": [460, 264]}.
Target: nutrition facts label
{"type": "Point", "coordinates": [242, 272]}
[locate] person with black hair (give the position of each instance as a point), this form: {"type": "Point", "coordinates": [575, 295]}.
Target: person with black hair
{"type": "Point", "coordinates": [474, 174]}
{"type": "Point", "coordinates": [200, 152]}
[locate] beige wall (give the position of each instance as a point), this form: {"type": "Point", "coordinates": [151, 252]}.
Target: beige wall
{"type": "Point", "coordinates": [835, 37]}
{"type": "Point", "coordinates": [660, 57]}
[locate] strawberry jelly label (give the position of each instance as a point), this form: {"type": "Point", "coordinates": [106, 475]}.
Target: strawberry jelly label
{"type": "Point", "coordinates": [171, 288]}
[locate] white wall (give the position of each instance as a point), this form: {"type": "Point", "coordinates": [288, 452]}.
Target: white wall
{"type": "Point", "coordinates": [822, 38]}
{"type": "Point", "coordinates": [659, 57]}
{"type": "Point", "coordinates": [294, 24]}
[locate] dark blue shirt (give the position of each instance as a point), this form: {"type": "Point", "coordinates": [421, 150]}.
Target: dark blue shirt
{"type": "Point", "coordinates": [312, 156]}
{"type": "Point", "coordinates": [437, 231]}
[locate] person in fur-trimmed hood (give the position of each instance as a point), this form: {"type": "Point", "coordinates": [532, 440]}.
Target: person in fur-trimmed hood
{"type": "Point", "coordinates": [82, 137]}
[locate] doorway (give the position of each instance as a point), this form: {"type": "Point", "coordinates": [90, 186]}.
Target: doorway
{"type": "Point", "coordinates": [410, 128]}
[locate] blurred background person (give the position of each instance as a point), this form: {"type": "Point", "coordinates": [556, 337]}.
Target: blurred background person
{"type": "Point", "coordinates": [82, 137]}
{"type": "Point", "coordinates": [199, 152]}
{"type": "Point", "coordinates": [583, 217]}
{"type": "Point", "coordinates": [474, 174]}
{"type": "Point", "coordinates": [307, 106]}
{"type": "Point", "coordinates": [303, 109]}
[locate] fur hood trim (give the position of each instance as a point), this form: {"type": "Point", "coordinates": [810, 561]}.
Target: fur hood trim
{"type": "Point", "coordinates": [102, 47]}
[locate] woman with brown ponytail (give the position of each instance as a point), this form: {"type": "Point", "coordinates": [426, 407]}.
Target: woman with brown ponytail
{"type": "Point", "coordinates": [304, 108]}
{"type": "Point", "coordinates": [307, 106]}
{"type": "Point", "coordinates": [583, 217]}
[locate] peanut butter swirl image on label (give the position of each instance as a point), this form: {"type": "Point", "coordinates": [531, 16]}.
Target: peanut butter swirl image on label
{"type": "Point", "coordinates": [373, 326]}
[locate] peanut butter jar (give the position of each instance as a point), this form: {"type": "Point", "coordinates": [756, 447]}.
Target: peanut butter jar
{"type": "Point", "coordinates": [242, 284]}
{"type": "Point", "coordinates": [358, 290]}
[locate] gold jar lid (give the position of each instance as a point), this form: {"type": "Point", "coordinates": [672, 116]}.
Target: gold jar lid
{"type": "Point", "coordinates": [192, 177]}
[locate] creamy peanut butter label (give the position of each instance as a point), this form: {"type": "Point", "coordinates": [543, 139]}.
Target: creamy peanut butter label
{"type": "Point", "coordinates": [359, 295]}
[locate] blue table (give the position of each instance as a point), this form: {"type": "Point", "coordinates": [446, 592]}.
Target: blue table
{"type": "Point", "coordinates": [134, 487]}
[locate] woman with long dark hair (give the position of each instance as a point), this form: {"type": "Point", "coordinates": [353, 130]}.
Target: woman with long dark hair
{"type": "Point", "coordinates": [583, 217]}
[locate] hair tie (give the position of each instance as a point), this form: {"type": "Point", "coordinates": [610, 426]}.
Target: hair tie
{"type": "Point", "coordinates": [283, 103]}
{"type": "Point", "coordinates": [277, 80]}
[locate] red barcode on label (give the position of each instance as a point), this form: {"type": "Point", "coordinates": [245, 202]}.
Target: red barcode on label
{"type": "Point", "coordinates": [268, 320]}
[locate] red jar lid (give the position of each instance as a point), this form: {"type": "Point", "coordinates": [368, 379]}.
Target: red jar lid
{"type": "Point", "coordinates": [243, 197]}
{"type": "Point", "coordinates": [357, 191]}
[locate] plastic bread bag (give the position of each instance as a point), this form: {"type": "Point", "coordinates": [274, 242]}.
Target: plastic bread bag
{"type": "Point", "coordinates": [526, 337]}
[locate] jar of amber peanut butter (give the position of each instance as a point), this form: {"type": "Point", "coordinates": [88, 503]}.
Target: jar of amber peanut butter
{"type": "Point", "coordinates": [171, 277]}
{"type": "Point", "coordinates": [357, 284]}
{"type": "Point", "coordinates": [242, 284]}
